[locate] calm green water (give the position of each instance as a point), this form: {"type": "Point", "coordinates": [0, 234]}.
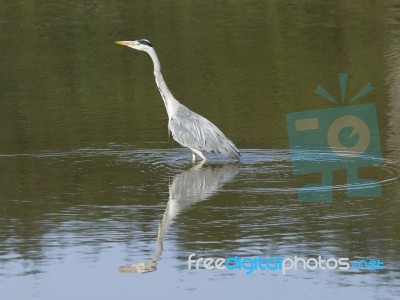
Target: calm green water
{"type": "Point", "coordinates": [93, 191]}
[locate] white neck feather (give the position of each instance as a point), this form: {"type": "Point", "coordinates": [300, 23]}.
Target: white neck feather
{"type": "Point", "coordinates": [171, 104]}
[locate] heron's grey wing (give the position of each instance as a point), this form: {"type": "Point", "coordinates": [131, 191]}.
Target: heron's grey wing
{"type": "Point", "coordinates": [194, 131]}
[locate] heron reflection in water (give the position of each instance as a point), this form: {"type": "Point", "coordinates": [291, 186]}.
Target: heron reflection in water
{"type": "Point", "coordinates": [187, 188]}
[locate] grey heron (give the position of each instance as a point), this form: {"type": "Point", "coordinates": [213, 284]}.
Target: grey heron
{"type": "Point", "coordinates": [188, 128]}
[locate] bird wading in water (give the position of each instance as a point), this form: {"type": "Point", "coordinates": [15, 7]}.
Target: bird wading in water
{"type": "Point", "coordinates": [188, 128]}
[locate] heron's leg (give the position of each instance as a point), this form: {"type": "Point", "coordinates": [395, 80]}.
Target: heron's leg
{"type": "Point", "coordinates": [198, 152]}
{"type": "Point", "coordinates": [202, 156]}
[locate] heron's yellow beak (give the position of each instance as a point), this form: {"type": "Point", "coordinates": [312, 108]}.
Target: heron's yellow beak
{"type": "Point", "coordinates": [123, 43]}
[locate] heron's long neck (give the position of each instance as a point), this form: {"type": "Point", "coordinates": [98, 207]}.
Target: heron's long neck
{"type": "Point", "coordinates": [171, 104]}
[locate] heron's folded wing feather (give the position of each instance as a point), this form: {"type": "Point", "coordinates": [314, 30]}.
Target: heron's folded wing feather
{"type": "Point", "coordinates": [194, 131]}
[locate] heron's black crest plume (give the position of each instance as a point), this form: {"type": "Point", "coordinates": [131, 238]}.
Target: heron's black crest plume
{"type": "Point", "coordinates": [145, 42]}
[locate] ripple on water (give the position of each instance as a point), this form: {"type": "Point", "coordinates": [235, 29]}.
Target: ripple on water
{"type": "Point", "coordinates": [261, 170]}
{"type": "Point", "coordinates": [271, 171]}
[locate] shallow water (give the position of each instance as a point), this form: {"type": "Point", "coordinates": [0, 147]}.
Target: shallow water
{"type": "Point", "coordinates": [98, 202]}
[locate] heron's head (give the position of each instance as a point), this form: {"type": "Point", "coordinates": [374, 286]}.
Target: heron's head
{"type": "Point", "coordinates": [142, 45]}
